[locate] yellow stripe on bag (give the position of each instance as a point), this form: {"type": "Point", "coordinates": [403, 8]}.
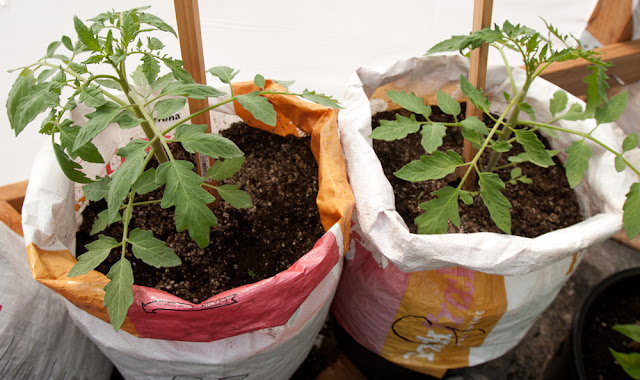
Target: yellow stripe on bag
{"type": "Point", "coordinates": [442, 315]}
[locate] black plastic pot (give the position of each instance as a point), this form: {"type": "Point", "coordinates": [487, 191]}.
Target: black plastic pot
{"type": "Point", "coordinates": [569, 362]}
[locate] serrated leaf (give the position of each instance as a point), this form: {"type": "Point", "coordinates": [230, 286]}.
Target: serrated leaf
{"type": "Point", "coordinates": [575, 113]}
{"type": "Point", "coordinates": [471, 41]}
{"type": "Point", "coordinates": [126, 120]}
{"type": "Point", "coordinates": [194, 138]}
{"type": "Point", "coordinates": [630, 142]}
{"type": "Point", "coordinates": [224, 169]}
{"type": "Point", "coordinates": [118, 295]}
{"type": "Point", "coordinates": [97, 252]}
{"type": "Point", "coordinates": [68, 135]}
{"type": "Point", "coordinates": [85, 35]}
{"type": "Point", "coordinates": [191, 90]}
{"type": "Point", "coordinates": [69, 167]}
{"type": "Point", "coordinates": [103, 221]}
{"type": "Point", "coordinates": [323, 100]}
{"type": "Point", "coordinates": [525, 107]}
{"type": "Point", "coordinates": [432, 135]}
{"type": "Point", "coordinates": [234, 196]}
{"type": "Point", "coordinates": [139, 78]}
{"type": "Point", "coordinates": [436, 166]}
{"type": "Point", "coordinates": [474, 95]}
{"type": "Point", "coordinates": [92, 97]}
{"type": "Point", "coordinates": [448, 104]}
{"type": "Point", "coordinates": [177, 70]}
{"type": "Point", "coordinates": [26, 101]}
{"type": "Point", "coordinates": [98, 121]}
{"type": "Point", "coordinates": [630, 362]}
{"type": "Point", "coordinates": [497, 204]}
{"type": "Point", "coordinates": [439, 211]}
{"type": "Point", "coordinates": [596, 87]}
{"type": "Point", "coordinates": [125, 176]}
{"type": "Point", "coordinates": [146, 183]}
{"type": "Point", "coordinates": [129, 29]}
{"type": "Point", "coordinates": [93, 59]}
{"type": "Point", "coordinates": [501, 146]}
{"type": "Point", "coordinates": [45, 74]}
{"type": "Point", "coordinates": [184, 191]}
{"type": "Point", "coordinates": [154, 44]}
{"type": "Point", "coordinates": [471, 135]}
{"type": "Point", "coordinates": [152, 251]}
{"type": "Point", "coordinates": [558, 102]}
{"type": "Point", "coordinates": [410, 101]}
{"type": "Point", "coordinates": [167, 107]}
{"type": "Point", "coordinates": [620, 164]}
{"type": "Point", "coordinates": [538, 155]}
{"type": "Point", "coordinates": [224, 73]}
{"type": "Point", "coordinates": [390, 130]}
{"type": "Point", "coordinates": [631, 216]}
{"type": "Point", "coordinates": [78, 68]}
{"type": "Point", "coordinates": [476, 124]}
{"type": "Point", "coordinates": [612, 109]}
{"type": "Point", "coordinates": [163, 81]}
{"type": "Point", "coordinates": [150, 68]}
{"type": "Point", "coordinates": [155, 21]}
{"type": "Point", "coordinates": [578, 155]}
{"type": "Point", "coordinates": [259, 107]}
{"type": "Point", "coordinates": [66, 41]}
{"type": "Point", "coordinates": [259, 81]}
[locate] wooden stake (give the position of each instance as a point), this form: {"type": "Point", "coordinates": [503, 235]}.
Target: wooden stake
{"type": "Point", "coordinates": [189, 31]}
{"type": "Point", "coordinates": [482, 10]}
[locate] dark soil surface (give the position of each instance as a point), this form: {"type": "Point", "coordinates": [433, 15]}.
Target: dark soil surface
{"type": "Point", "coordinates": [281, 176]}
{"type": "Point", "coordinates": [617, 305]}
{"type": "Point", "coordinates": [543, 206]}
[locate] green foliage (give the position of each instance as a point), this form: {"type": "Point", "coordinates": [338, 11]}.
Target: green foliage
{"type": "Point", "coordinates": [94, 75]}
{"type": "Point", "coordinates": [630, 362]}
{"type": "Point", "coordinates": [507, 130]}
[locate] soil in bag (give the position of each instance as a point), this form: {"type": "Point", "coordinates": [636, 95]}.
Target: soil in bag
{"type": "Point", "coordinates": [547, 204]}
{"type": "Point", "coordinates": [281, 176]}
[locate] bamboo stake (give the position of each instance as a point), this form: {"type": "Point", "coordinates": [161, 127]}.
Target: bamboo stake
{"type": "Point", "coordinates": [482, 10]}
{"type": "Point", "coordinates": [190, 34]}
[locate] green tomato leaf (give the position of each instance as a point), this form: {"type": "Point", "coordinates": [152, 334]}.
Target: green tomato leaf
{"type": "Point", "coordinates": [102, 222]}
{"type": "Point", "coordinates": [167, 107]}
{"type": "Point", "coordinates": [630, 363]}
{"type": "Point", "coordinates": [126, 120]}
{"type": "Point", "coordinates": [129, 29]}
{"type": "Point", "coordinates": [631, 331]}
{"type": "Point", "coordinates": [528, 109]}
{"type": "Point", "coordinates": [92, 97]}
{"type": "Point", "coordinates": [66, 41]}
{"type": "Point", "coordinates": [183, 189]}
{"type": "Point", "coordinates": [21, 88]}
{"type": "Point", "coordinates": [620, 164]}
{"type": "Point", "coordinates": [154, 44]}
{"type": "Point", "coordinates": [45, 74]}
{"type": "Point", "coordinates": [225, 169]}
{"type": "Point", "coordinates": [155, 21]}
{"type": "Point", "coordinates": [439, 211]}
{"type": "Point", "coordinates": [146, 183]}
{"type": "Point", "coordinates": [630, 142]}
{"type": "Point", "coordinates": [476, 124]}
{"type": "Point", "coordinates": [152, 251]}
{"type": "Point", "coordinates": [194, 138]}
{"type": "Point", "coordinates": [175, 65]}
{"type": "Point", "coordinates": [259, 81]}
{"type": "Point", "coordinates": [323, 100]}
{"type": "Point", "coordinates": [501, 146]}
{"type": "Point", "coordinates": [410, 101]}
{"type": "Point", "coordinates": [436, 166]}
{"type": "Point", "coordinates": [578, 155]}
{"type": "Point", "coordinates": [596, 88]}
{"type": "Point", "coordinates": [471, 135]}
{"type": "Point", "coordinates": [448, 104]}
{"type": "Point", "coordinates": [68, 134]}
{"type": "Point", "coordinates": [259, 107]}
{"type": "Point", "coordinates": [125, 176]}
{"type": "Point", "coordinates": [98, 121]}
{"type": "Point", "coordinates": [575, 113]}
{"type": "Point", "coordinates": [69, 167]}
{"type": "Point", "coordinates": [535, 148]}
{"type": "Point", "coordinates": [118, 295]}
{"type": "Point", "coordinates": [163, 81]}
{"type": "Point", "coordinates": [85, 35]}
{"type": "Point", "coordinates": [390, 130]}
{"type": "Point", "coordinates": [191, 90]}
{"type": "Point", "coordinates": [97, 252]}
{"type": "Point", "coordinates": [474, 95]}
{"type": "Point", "coordinates": [26, 101]}
{"type": "Point", "coordinates": [234, 196]}
{"type": "Point", "coordinates": [558, 102]}
{"type": "Point", "coordinates": [497, 204]}
{"type": "Point", "coordinates": [224, 73]}
{"type": "Point", "coordinates": [467, 197]}
{"type": "Point", "coordinates": [612, 109]}
{"type": "Point", "coordinates": [285, 83]}
{"type": "Point", "coordinates": [150, 67]}
{"type": "Point", "coordinates": [432, 135]}
{"type": "Point", "coordinates": [631, 217]}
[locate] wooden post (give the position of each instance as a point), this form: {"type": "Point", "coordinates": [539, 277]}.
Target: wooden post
{"type": "Point", "coordinates": [189, 31]}
{"type": "Point", "coordinates": [482, 10]}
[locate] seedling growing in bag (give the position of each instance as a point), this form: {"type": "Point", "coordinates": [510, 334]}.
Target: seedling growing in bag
{"type": "Point", "coordinates": [537, 53]}
{"type": "Point", "coordinates": [630, 362]}
{"type": "Point", "coordinates": [93, 71]}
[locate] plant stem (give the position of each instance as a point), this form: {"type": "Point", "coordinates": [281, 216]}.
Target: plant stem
{"type": "Point", "coordinates": [156, 139]}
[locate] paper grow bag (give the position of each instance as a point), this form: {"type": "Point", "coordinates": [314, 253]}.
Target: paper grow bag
{"type": "Point", "coordinates": [38, 339]}
{"type": "Point", "coordinates": [434, 302]}
{"type": "Point", "coordinates": [258, 331]}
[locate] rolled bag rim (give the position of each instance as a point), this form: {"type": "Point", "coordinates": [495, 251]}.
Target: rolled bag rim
{"type": "Point", "coordinates": [335, 202]}
{"type": "Point", "coordinates": [379, 220]}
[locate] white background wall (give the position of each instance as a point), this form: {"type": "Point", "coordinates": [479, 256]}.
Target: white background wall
{"type": "Point", "coordinates": [319, 44]}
